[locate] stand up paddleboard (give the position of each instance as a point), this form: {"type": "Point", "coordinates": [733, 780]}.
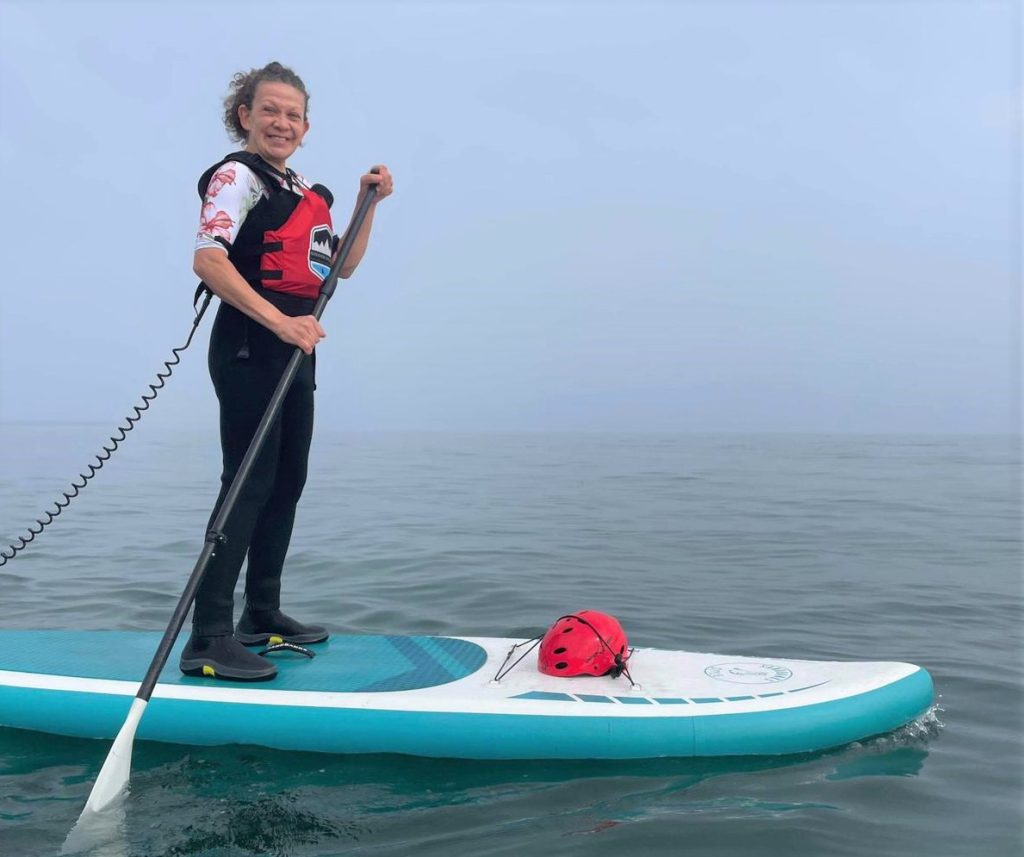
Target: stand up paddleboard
{"type": "Point", "coordinates": [436, 696]}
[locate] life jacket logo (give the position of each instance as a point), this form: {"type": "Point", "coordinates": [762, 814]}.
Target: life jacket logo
{"type": "Point", "coordinates": [321, 243]}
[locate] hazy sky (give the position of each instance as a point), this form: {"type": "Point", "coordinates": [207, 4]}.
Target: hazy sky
{"type": "Point", "coordinates": [720, 216]}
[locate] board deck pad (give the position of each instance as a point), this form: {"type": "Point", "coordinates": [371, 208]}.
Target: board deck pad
{"type": "Point", "coordinates": [349, 664]}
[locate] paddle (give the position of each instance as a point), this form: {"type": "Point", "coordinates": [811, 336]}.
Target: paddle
{"type": "Point", "coordinates": [114, 774]}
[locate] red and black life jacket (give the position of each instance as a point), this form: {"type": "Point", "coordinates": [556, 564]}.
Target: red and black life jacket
{"type": "Point", "coordinates": [286, 241]}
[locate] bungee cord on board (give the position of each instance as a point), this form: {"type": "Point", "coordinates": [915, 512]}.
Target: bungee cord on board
{"type": "Point", "coordinates": [59, 505]}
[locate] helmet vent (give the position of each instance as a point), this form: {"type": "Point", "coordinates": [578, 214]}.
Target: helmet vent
{"type": "Point", "coordinates": [561, 665]}
{"type": "Point", "coordinates": [560, 650]}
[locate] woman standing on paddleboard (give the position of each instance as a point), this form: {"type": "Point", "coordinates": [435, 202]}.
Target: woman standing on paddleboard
{"type": "Point", "coordinates": [265, 245]}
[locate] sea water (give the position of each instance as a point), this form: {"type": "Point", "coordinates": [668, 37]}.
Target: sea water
{"type": "Point", "coordinates": [837, 547]}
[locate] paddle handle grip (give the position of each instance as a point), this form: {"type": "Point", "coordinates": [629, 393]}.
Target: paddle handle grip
{"type": "Point", "coordinates": [330, 282]}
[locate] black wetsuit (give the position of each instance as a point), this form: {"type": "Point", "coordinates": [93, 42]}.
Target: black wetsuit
{"type": "Point", "coordinates": [246, 362]}
{"type": "Point", "coordinates": [279, 244]}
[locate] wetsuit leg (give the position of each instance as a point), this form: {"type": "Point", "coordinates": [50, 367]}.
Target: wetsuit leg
{"type": "Point", "coordinates": [273, 530]}
{"type": "Point", "coordinates": [244, 387]}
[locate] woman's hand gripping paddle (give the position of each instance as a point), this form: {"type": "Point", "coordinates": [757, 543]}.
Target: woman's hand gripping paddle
{"type": "Point", "coordinates": [113, 778]}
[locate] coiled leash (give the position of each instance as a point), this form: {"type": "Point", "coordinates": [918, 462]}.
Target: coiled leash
{"type": "Point", "coordinates": [49, 516]}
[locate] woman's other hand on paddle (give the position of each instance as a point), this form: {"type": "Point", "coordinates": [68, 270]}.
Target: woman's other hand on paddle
{"type": "Point", "coordinates": [382, 179]}
{"type": "Point", "coordinates": [303, 331]}
{"type": "Point", "coordinates": [385, 185]}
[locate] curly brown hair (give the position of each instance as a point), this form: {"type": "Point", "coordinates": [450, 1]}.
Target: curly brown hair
{"type": "Point", "coordinates": [243, 90]}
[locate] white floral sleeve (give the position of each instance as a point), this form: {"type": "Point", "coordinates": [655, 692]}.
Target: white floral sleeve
{"type": "Point", "coordinates": [232, 193]}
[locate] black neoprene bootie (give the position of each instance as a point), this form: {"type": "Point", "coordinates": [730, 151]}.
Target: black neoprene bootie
{"type": "Point", "coordinates": [257, 628]}
{"type": "Point", "coordinates": [224, 657]}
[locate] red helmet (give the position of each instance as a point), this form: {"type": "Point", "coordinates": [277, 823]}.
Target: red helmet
{"type": "Point", "coordinates": [584, 643]}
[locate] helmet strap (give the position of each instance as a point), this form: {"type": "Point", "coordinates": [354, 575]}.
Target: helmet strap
{"type": "Point", "coordinates": [620, 661]}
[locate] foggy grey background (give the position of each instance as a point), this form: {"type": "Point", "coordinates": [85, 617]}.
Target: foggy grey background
{"type": "Point", "coordinates": [777, 216]}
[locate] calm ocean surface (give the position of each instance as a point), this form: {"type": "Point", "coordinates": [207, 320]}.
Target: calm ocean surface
{"type": "Point", "coordinates": [846, 547]}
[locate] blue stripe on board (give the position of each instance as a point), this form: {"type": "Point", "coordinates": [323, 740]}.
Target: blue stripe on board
{"type": "Point", "coordinates": [424, 667]}
{"type": "Point", "coordinates": [809, 687]}
{"type": "Point", "coordinates": [547, 695]}
{"type": "Point", "coordinates": [456, 657]}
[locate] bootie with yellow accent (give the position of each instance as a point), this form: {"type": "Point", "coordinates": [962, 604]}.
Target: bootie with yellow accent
{"type": "Point", "coordinates": [259, 627]}
{"type": "Point", "coordinates": [224, 657]}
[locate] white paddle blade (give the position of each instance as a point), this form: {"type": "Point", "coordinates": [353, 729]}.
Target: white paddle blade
{"type": "Point", "coordinates": [99, 834]}
{"type": "Point", "coordinates": [113, 778]}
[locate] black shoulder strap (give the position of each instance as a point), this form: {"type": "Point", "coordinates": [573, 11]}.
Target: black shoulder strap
{"type": "Point", "coordinates": [266, 173]}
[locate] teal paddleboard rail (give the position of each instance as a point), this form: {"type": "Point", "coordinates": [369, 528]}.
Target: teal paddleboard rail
{"type": "Point", "coordinates": [475, 736]}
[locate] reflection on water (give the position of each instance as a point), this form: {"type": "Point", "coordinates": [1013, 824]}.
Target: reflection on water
{"type": "Point", "coordinates": [100, 834]}
{"type": "Point", "coordinates": [252, 800]}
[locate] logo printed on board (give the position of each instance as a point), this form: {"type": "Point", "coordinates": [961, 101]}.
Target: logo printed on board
{"type": "Point", "coordinates": [748, 672]}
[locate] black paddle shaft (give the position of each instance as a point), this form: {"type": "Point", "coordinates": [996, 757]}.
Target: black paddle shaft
{"type": "Point", "coordinates": [214, 536]}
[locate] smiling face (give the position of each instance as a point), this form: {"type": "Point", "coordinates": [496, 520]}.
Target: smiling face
{"type": "Point", "coordinates": [276, 122]}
